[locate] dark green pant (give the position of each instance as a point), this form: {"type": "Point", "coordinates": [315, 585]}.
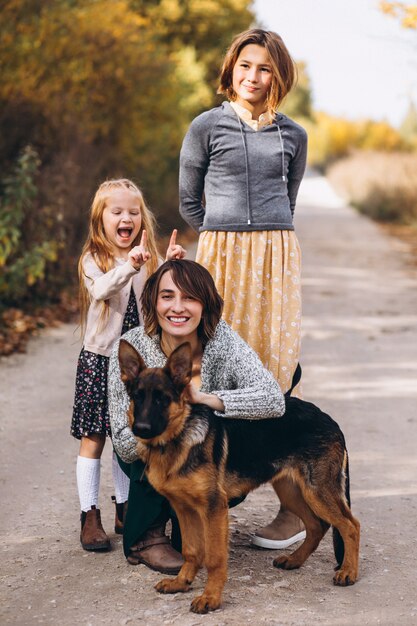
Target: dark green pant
{"type": "Point", "coordinates": [145, 504]}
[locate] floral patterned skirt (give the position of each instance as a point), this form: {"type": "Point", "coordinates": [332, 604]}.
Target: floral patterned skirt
{"type": "Point", "coordinates": [90, 413]}
{"type": "Point", "coordinates": [258, 276]}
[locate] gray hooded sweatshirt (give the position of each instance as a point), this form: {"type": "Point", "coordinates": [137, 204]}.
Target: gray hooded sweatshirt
{"type": "Point", "coordinates": [249, 178]}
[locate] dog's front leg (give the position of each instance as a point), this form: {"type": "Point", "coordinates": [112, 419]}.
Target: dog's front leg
{"type": "Point", "coordinates": [216, 535]}
{"type": "Point", "coordinates": [192, 535]}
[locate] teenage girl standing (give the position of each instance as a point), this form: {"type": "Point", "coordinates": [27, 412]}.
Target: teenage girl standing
{"type": "Point", "coordinates": [120, 241]}
{"type": "Point", "coordinates": [248, 160]}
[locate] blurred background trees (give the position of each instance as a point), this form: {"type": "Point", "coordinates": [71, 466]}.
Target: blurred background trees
{"type": "Point", "coordinates": [97, 89]}
{"type": "Point", "coordinates": [376, 170]}
{"type": "Point", "coordinates": [93, 89]}
{"type": "Point", "coordinates": [406, 13]}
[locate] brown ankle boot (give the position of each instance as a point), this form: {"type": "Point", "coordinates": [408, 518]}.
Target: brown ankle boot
{"type": "Point", "coordinates": [155, 551]}
{"type": "Point", "coordinates": [92, 535]}
{"type": "Point", "coordinates": [281, 533]}
{"type": "Point", "coordinates": [120, 516]}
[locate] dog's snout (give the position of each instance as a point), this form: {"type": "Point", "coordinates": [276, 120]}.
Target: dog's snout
{"type": "Point", "coordinates": [142, 430]}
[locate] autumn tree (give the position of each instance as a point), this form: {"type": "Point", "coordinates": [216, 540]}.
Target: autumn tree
{"type": "Point", "coordinates": [122, 79]}
{"type": "Point", "coordinates": [406, 13]}
{"type": "Point", "coordinates": [104, 88]}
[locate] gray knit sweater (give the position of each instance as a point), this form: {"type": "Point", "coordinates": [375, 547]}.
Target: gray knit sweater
{"type": "Point", "coordinates": [249, 178]}
{"type": "Point", "coordinates": [230, 369]}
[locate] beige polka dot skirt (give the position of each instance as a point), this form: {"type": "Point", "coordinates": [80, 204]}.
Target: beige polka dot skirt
{"type": "Point", "coordinates": [258, 276]}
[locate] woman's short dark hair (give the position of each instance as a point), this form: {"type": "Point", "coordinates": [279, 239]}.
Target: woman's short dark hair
{"type": "Point", "coordinates": [284, 72]}
{"type": "Point", "coordinates": [193, 280]}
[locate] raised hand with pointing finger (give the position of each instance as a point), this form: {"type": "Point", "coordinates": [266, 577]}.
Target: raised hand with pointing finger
{"type": "Point", "coordinates": [174, 250]}
{"type": "Point", "coordinates": [140, 254]}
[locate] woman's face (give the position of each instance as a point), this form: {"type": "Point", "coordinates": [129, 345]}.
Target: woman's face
{"type": "Point", "coordinates": [252, 77]}
{"type": "Point", "coordinates": [178, 314]}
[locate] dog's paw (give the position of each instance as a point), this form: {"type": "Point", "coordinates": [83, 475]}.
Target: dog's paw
{"type": "Point", "coordinates": [172, 585]}
{"type": "Point", "coordinates": [344, 578]}
{"type": "Point", "coordinates": [205, 603]}
{"type": "Point", "coordinates": [286, 562]}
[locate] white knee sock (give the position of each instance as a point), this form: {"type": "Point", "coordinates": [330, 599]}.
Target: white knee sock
{"type": "Point", "coordinates": [120, 480]}
{"type": "Point", "coordinates": [88, 481]}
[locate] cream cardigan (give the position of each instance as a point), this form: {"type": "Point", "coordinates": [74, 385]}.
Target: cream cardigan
{"type": "Point", "coordinates": [114, 286]}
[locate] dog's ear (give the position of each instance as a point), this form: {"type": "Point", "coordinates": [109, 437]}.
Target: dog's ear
{"type": "Point", "coordinates": [131, 363]}
{"type": "Point", "coordinates": [179, 366]}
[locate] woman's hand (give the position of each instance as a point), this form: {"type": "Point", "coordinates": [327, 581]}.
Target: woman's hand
{"type": "Point", "coordinates": [195, 396]}
{"type": "Point", "coordinates": [174, 250]}
{"type": "Point", "coordinates": [140, 254]}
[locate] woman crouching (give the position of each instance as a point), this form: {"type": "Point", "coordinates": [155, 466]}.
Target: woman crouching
{"type": "Point", "coordinates": [180, 304]}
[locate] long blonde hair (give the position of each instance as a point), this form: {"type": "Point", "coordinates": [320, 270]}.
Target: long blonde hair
{"type": "Point", "coordinates": [100, 248]}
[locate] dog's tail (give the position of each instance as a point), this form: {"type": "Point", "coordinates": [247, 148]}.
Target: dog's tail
{"type": "Point", "coordinates": [338, 544]}
{"type": "Point", "coordinates": [295, 380]}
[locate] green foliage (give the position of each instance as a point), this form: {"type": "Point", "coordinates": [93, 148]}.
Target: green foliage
{"type": "Point", "coordinates": [19, 194]}
{"type": "Point", "coordinates": [24, 253]}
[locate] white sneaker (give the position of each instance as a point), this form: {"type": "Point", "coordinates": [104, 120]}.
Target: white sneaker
{"type": "Point", "coordinates": [277, 544]}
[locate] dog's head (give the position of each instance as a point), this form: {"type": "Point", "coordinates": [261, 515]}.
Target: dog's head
{"type": "Point", "coordinates": [159, 409]}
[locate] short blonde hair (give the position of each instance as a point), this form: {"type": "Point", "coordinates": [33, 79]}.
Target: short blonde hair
{"type": "Point", "coordinates": [284, 71]}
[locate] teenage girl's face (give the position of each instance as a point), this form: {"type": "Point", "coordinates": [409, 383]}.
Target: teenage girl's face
{"type": "Point", "coordinates": [122, 220]}
{"type": "Point", "coordinates": [252, 78]}
{"type": "Point", "coordinates": [178, 314]}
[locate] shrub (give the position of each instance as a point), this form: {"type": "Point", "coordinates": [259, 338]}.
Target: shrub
{"type": "Point", "coordinates": [381, 185]}
{"type": "Point", "coordinates": [25, 230]}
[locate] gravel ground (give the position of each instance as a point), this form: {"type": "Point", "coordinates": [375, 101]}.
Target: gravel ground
{"type": "Point", "coordinates": [359, 359]}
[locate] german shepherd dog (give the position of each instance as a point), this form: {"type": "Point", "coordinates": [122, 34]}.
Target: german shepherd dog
{"type": "Point", "coordinates": [199, 462]}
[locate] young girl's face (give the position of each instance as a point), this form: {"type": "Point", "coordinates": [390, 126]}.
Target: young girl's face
{"type": "Point", "coordinates": [122, 219]}
{"type": "Point", "coordinates": [252, 77]}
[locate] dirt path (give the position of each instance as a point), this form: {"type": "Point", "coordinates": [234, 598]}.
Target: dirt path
{"type": "Point", "coordinates": [360, 365]}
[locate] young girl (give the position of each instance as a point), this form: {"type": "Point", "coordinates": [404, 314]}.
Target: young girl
{"type": "Point", "coordinates": [120, 241]}
{"type": "Point", "coordinates": [249, 160]}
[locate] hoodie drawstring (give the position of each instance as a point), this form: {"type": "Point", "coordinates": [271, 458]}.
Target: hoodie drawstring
{"type": "Point", "coordinates": [247, 170]}
{"type": "Point", "coordinates": [282, 153]}
{"type": "Point", "coordinates": [245, 150]}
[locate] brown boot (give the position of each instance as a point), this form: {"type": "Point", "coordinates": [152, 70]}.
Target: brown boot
{"type": "Point", "coordinates": [120, 516]}
{"type": "Point", "coordinates": [155, 551]}
{"type": "Point", "coordinates": [281, 533]}
{"type": "Point", "coordinates": [92, 535]}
